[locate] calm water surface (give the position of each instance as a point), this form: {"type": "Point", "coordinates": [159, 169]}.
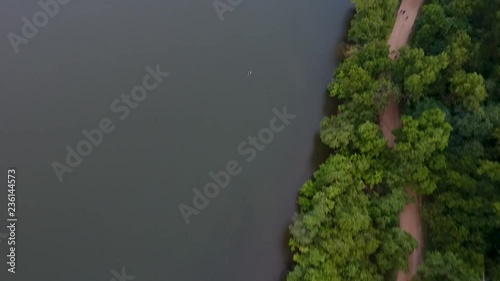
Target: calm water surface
{"type": "Point", "coordinates": [119, 207]}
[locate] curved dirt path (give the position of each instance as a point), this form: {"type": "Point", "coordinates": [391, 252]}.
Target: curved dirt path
{"type": "Point", "coordinates": [409, 219]}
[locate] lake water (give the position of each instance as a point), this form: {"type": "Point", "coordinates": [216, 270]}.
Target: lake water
{"type": "Point", "coordinates": [119, 207]}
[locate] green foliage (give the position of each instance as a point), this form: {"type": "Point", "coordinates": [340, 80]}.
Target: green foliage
{"type": "Point", "coordinates": [432, 28]}
{"type": "Point", "coordinates": [469, 89]}
{"type": "Point", "coordinates": [462, 214]}
{"type": "Point", "coordinates": [351, 81]}
{"type": "Point", "coordinates": [373, 20]}
{"type": "Point", "coordinates": [492, 169]}
{"type": "Point", "coordinates": [417, 72]}
{"type": "Point", "coordinates": [496, 137]}
{"type": "Point", "coordinates": [419, 147]}
{"type": "Point", "coordinates": [448, 150]}
{"type": "Point", "coordinates": [335, 237]}
{"type": "Point", "coordinates": [459, 51]}
{"type": "Point", "coordinates": [445, 267]}
{"type": "Point", "coordinates": [395, 254]}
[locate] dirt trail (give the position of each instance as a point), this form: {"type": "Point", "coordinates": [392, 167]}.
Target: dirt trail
{"type": "Point", "coordinates": [404, 24]}
{"type": "Point", "coordinates": [409, 219]}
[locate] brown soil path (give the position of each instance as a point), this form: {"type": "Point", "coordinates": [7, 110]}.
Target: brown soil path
{"type": "Point", "coordinates": [409, 219]}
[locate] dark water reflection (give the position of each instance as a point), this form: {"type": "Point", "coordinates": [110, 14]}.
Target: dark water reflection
{"type": "Point", "coordinates": [119, 207]}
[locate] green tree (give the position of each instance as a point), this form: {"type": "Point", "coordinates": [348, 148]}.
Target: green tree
{"type": "Point", "coordinates": [459, 51]}
{"type": "Point", "coordinates": [373, 20]}
{"type": "Point", "coordinates": [418, 150]}
{"type": "Point", "coordinates": [469, 89]}
{"type": "Point", "coordinates": [431, 29]}
{"type": "Point", "coordinates": [417, 72]}
{"type": "Point", "coordinates": [445, 267]}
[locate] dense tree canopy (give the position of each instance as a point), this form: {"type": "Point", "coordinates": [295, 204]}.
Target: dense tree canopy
{"type": "Point", "coordinates": [447, 150]}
